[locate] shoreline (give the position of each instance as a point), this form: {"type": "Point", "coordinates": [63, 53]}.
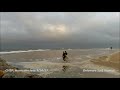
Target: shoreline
{"type": "Point", "coordinates": [103, 63]}
{"type": "Point", "coordinates": [113, 61]}
{"type": "Point", "coordinates": [9, 71]}
{"type": "Point", "coordinates": [93, 67]}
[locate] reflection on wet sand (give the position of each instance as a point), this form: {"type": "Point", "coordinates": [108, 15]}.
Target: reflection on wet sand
{"type": "Point", "coordinates": [73, 67]}
{"type": "Point", "coordinates": [64, 68]}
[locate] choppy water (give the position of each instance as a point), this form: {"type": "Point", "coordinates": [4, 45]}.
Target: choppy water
{"type": "Point", "coordinates": [51, 60]}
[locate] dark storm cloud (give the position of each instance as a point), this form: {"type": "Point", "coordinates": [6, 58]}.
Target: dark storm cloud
{"type": "Point", "coordinates": [58, 29]}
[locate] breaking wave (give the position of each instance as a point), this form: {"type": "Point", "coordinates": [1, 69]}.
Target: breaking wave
{"type": "Point", "coordinates": [21, 51]}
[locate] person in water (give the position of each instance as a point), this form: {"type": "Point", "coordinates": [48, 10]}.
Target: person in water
{"type": "Point", "coordinates": [64, 55]}
{"type": "Point", "coordinates": [111, 48]}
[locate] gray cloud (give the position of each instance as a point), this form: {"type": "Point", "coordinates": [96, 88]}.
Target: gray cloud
{"type": "Point", "coordinates": [58, 29]}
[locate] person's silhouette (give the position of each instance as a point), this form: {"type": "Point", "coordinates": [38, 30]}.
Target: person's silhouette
{"type": "Point", "coordinates": [64, 55]}
{"type": "Point", "coordinates": [111, 48]}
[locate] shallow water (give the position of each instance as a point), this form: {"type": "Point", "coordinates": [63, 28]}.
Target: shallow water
{"type": "Point", "coordinates": [52, 62]}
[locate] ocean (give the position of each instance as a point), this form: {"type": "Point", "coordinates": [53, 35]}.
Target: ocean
{"type": "Point", "coordinates": [51, 62]}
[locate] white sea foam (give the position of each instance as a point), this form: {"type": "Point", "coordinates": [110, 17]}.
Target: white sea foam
{"type": "Point", "coordinates": [69, 49]}
{"type": "Point", "coordinates": [20, 51]}
{"type": "Point", "coordinates": [58, 58]}
{"type": "Point", "coordinates": [88, 56]}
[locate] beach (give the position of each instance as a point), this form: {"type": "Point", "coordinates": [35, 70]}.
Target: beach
{"type": "Point", "coordinates": [82, 63]}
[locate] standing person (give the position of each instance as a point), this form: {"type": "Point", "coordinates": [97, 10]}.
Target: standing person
{"type": "Point", "coordinates": [66, 57]}
{"type": "Point", "coordinates": [63, 55]}
{"type": "Point", "coordinates": [111, 48]}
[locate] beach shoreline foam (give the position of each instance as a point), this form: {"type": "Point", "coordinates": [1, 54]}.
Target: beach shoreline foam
{"type": "Point", "coordinates": [81, 64]}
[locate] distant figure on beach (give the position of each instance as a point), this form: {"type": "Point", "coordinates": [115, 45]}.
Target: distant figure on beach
{"type": "Point", "coordinates": [64, 55]}
{"type": "Point", "coordinates": [111, 48]}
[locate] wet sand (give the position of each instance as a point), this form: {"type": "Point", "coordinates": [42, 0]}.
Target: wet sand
{"type": "Point", "coordinates": [79, 60]}
{"type": "Point", "coordinates": [112, 61]}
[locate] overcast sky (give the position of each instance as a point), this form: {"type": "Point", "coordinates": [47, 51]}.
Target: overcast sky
{"type": "Point", "coordinates": [59, 29]}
